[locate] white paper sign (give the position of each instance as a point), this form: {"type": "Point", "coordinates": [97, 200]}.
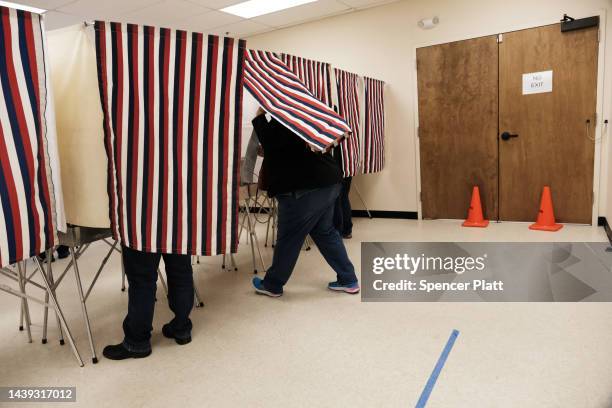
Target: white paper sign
{"type": "Point", "coordinates": [537, 82]}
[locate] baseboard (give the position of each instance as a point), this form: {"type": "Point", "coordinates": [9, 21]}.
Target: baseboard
{"type": "Point", "coordinates": [401, 215]}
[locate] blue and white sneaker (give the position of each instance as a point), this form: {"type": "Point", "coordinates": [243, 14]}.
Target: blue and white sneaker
{"type": "Point", "coordinates": [261, 289]}
{"type": "Point", "coordinates": [352, 288]}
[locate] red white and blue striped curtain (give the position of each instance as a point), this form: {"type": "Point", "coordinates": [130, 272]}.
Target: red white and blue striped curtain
{"type": "Point", "coordinates": [27, 201]}
{"type": "Point", "coordinates": [315, 75]}
{"type": "Point", "coordinates": [373, 146]}
{"type": "Point", "coordinates": [348, 107]}
{"type": "Point", "coordinates": [282, 94]}
{"type": "Point", "coordinates": [172, 103]}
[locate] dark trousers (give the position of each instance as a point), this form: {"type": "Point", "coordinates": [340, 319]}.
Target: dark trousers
{"type": "Point", "coordinates": [300, 214]}
{"type": "Point", "coordinates": [343, 218]}
{"type": "Point", "coordinates": [141, 271]}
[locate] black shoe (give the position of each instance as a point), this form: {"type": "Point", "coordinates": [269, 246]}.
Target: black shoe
{"type": "Point", "coordinates": [169, 333]}
{"type": "Point", "coordinates": [63, 252]}
{"type": "Point", "coordinates": [119, 352]}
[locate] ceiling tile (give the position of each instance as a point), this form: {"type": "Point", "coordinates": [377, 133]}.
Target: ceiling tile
{"type": "Point", "coordinates": [167, 13]}
{"type": "Point", "coordinates": [241, 29]}
{"type": "Point", "coordinates": [107, 9]}
{"type": "Point", "coordinates": [44, 4]}
{"type": "Point", "coordinates": [365, 3]}
{"type": "Point", "coordinates": [303, 13]}
{"type": "Point", "coordinates": [207, 21]}
{"type": "Point", "coordinates": [55, 20]}
{"type": "Point", "coordinates": [216, 4]}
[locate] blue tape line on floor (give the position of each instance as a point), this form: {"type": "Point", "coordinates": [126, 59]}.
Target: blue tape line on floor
{"type": "Point", "coordinates": [437, 369]}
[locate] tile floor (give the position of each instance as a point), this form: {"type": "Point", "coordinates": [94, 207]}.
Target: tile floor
{"type": "Point", "coordinates": [315, 348]}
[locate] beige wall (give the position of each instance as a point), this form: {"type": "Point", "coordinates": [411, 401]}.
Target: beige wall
{"type": "Point", "coordinates": [381, 42]}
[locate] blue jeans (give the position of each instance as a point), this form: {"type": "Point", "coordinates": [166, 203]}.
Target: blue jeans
{"type": "Point", "coordinates": [141, 271]}
{"type": "Point", "coordinates": [343, 218]}
{"type": "Point", "coordinates": [300, 214]}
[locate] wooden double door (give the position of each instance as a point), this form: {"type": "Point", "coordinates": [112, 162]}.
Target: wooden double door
{"type": "Point", "coordinates": [509, 113]}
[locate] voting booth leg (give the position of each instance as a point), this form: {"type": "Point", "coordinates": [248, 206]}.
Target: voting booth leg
{"type": "Point", "coordinates": [51, 279]}
{"type": "Point", "coordinates": [268, 225]}
{"type": "Point", "coordinates": [233, 262]}
{"type": "Point", "coordinates": [24, 301]}
{"type": "Point", "coordinates": [307, 243]}
{"type": "Point", "coordinates": [254, 240]}
{"type": "Point", "coordinates": [247, 218]}
{"type": "Point", "coordinates": [77, 276]}
{"type": "Point", "coordinates": [198, 298]}
{"type": "Point", "coordinates": [59, 312]}
{"type": "Point", "coordinates": [21, 316]}
{"type": "Point", "coordinates": [46, 308]}
{"type": "Point", "coordinates": [362, 200]}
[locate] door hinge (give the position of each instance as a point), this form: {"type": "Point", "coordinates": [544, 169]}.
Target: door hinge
{"type": "Point", "coordinates": [420, 196]}
{"type": "Point", "coordinates": [500, 38]}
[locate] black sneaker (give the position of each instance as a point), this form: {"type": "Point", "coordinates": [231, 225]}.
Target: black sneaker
{"type": "Point", "coordinates": [119, 352]}
{"type": "Point", "coordinates": [168, 332]}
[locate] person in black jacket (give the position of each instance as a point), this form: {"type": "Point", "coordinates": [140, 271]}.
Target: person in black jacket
{"type": "Point", "coordinates": [306, 185]}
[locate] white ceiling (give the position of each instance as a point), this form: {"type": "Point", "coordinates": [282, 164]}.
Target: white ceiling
{"type": "Point", "coordinates": [194, 15]}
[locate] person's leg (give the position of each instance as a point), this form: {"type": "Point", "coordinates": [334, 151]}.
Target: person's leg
{"type": "Point", "coordinates": [296, 217]}
{"type": "Point", "coordinates": [180, 295]}
{"type": "Point", "coordinates": [141, 272]}
{"type": "Point", "coordinates": [329, 242]}
{"type": "Point", "coordinates": [339, 214]}
{"type": "Point", "coordinates": [347, 217]}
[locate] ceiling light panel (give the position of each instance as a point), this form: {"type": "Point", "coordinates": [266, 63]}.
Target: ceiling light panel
{"type": "Point", "coordinates": [254, 8]}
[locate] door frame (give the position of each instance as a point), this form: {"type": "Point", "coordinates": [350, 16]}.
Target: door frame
{"type": "Point", "coordinates": [602, 109]}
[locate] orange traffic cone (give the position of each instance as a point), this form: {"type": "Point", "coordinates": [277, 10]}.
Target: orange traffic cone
{"type": "Point", "coordinates": [475, 218]}
{"type": "Point", "coordinates": [546, 216]}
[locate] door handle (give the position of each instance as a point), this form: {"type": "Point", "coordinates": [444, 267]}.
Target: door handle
{"type": "Point", "coordinates": [507, 136]}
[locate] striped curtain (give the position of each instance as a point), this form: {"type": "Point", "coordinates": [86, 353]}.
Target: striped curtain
{"type": "Point", "coordinates": [27, 199]}
{"type": "Point", "coordinates": [281, 93]}
{"type": "Point", "coordinates": [172, 103]}
{"type": "Point", "coordinates": [373, 146]}
{"type": "Point", "coordinates": [348, 107]}
{"type": "Point", "coordinates": [314, 74]}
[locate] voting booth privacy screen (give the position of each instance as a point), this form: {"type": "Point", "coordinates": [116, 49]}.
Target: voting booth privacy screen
{"type": "Point", "coordinates": [149, 124]}
{"type": "Point", "coordinates": [30, 189]}
{"type": "Point", "coordinates": [172, 104]}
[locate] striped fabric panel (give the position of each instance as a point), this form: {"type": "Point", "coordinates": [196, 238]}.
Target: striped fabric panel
{"type": "Point", "coordinates": [314, 74]}
{"type": "Point", "coordinates": [373, 147]}
{"type": "Point", "coordinates": [348, 106]}
{"type": "Point", "coordinates": [172, 103]}
{"type": "Point", "coordinates": [280, 92]}
{"type": "Point", "coordinates": [28, 219]}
